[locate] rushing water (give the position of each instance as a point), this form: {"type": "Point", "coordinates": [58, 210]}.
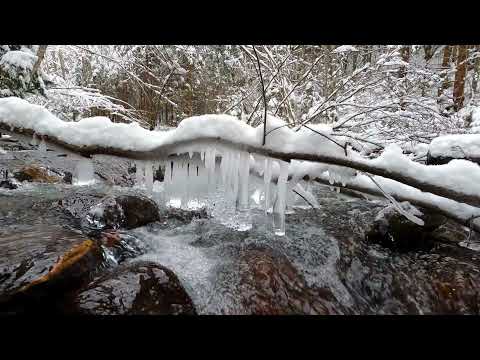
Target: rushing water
{"type": "Point", "coordinates": [213, 259]}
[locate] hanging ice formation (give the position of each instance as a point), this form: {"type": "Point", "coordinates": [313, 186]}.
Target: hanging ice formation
{"type": "Point", "coordinates": [218, 178]}
{"type": "Point", "coordinates": [42, 146]}
{"type": "Point", "coordinates": [34, 140]}
{"type": "Point", "coordinates": [84, 172]}
{"type": "Point", "coordinates": [280, 202]}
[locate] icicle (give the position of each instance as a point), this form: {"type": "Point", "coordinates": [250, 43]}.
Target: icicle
{"type": "Point", "coordinates": [244, 173]}
{"type": "Point", "coordinates": [84, 172]}
{"type": "Point", "coordinates": [187, 183]}
{"type": "Point", "coordinates": [190, 153]}
{"type": "Point", "coordinates": [223, 167]}
{"type": "Point", "coordinates": [42, 146]}
{"type": "Point", "coordinates": [280, 204]}
{"type": "Point", "coordinates": [210, 165]}
{"type": "Point", "coordinates": [149, 177]}
{"type": "Point", "coordinates": [331, 179]}
{"type": "Point", "coordinates": [139, 173]}
{"type": "Point", "coordinates": [167, 179]}
{"type": "Point", "coordinates": [267, 178]}
{"type": "Point", "coordinates": [234, 176]}
{"type": "Point", "coordinates": [34, 140]}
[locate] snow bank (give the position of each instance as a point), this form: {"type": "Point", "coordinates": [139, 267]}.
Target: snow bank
{"type": "Point", "coordinates": [475, 125]}
{"type": "Point", "coordinates": [456, 146]}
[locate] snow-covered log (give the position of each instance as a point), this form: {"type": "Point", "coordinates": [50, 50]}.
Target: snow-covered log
{"type": "Point", "coordinates": [464, 214]}
{"type": "Point", "coordinates": [459, 180]}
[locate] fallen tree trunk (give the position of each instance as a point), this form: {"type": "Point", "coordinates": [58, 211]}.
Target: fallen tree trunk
{"type": "Point", "coordinates": [164, 151]}
{"type": "Point", "coordinates": [464, 220]}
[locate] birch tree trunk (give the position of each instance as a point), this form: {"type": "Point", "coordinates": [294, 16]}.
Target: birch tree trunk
{"type": "Point", "coordinates": [40, 56]}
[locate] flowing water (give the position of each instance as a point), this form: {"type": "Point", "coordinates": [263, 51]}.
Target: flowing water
{"type": "Point", "coordinates": [233, 263]}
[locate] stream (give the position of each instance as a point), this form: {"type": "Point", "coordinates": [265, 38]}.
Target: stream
{"type": "Point", "coordinates": [192, 263]}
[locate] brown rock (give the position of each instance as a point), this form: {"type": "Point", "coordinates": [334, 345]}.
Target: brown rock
{"type": "Point", "coordinates": [271, 285]}
{"type": "Point", "coordinates": [33, 173]}
{"type": "Point", "coordinates": [141, 288]}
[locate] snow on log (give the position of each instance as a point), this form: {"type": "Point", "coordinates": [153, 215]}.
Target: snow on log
{"type": "Point", "coordinates": [464, 214]}
{"type": "Point", "coordinates": [458, 180]}
{"type": "Point", "coordinates": [445, 148]}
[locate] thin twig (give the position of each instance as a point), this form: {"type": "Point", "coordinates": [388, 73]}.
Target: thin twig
{"type": "Point", "coordinates": [264, 98]}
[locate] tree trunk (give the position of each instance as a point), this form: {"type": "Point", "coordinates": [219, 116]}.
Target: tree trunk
{"type": "Point", "coordinates": [459, 85]}
{"type": "Point", "coordinates": [40, 56]}
{"type": "Point", "coordinates": [454, 54]}
{"type": "Point", "coordinates": [405, 53]}
{"type": "Point", "coordinates": [429, 51]}
{"type": "Point", "coordinates": [445, 67]}
{"type": "Point", "coordinates": [476, 71]}
{"type": "Point", "coordinates": [62, 64]}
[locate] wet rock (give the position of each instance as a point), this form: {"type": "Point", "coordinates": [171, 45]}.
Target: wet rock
{"type": "Point", "coordinates": [445, 159]}
{"type": "Point", "coordinates": [79, 204]}
{"type": "Point", "coordinates": [119, 247]}
{"type": "Point", "coordinates": [67, 178]}
{"type": "Point", "coordinates": [158, 174]}
{"type": "Point", "coordinates": [132, 169]}
{"type": "Point", "coordinates": [392, 230]}
{"type": "Point", "coordinates": [271, 285]}
{"type": "Point", "coordinates": [14, 145]}
{"type": "Point", "coordinates": [140, 288]}
{"type": "Point", "coordinates": [7, 184]}
{"type": "Point", "coordinates": [454, 233]}
{"type": "Point", "coordinates": [33, 173]}
{"type": "Point", "coordinates": [180, 216]}
{"type": "Point", "coordinates": [39, 265]}
{"type": "Point", "coordinates": [124, 211]}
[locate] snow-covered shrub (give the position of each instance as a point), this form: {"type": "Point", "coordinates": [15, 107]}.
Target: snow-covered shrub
{"type": "Point", "coordinates": [16, 77]}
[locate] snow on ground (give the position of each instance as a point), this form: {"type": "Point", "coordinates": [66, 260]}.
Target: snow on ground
{"type": "Point", "coordinates": [475, 125]}
{"type": "Point", "coordinates": [456, 146]}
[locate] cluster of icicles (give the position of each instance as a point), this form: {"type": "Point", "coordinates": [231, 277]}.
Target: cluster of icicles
{"type": "Point", "coordinates": [219, 179]}
{"type": "Point", "coordinates": [84, 170]}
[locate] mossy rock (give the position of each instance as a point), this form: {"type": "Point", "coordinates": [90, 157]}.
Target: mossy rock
{"type": "Point", "coordinates": [33, 173]}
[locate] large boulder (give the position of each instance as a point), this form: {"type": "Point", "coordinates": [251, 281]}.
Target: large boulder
{"type": "Point", "coordinates": [271, 285]}
{"type": "Point", "coordinates": [37, 267]}
{"type": "Point", "coordinates": [140, 288]}
{"type": "Point", "coordinates": [124, 211]}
